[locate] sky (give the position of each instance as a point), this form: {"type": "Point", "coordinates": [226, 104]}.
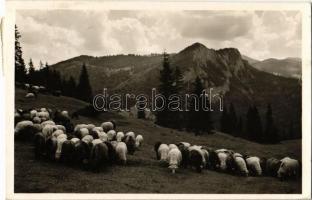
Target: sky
{"type": "Point", "coordinates": [56, 35]}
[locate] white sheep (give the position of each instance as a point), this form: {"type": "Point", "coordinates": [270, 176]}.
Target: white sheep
{"type": "Point", "coordinates": [103, 136]}
{"type": "Point", "coordinates": [22, 125]}
{"type": "Point", "coordinates": [30, 95]}
{"type": "Point", "coordinates": [121, 151]}
{"type": "Point", "coordinates": [174, 159]}
{"type": "Point", "coordinates": [107, 126]}
{"type": "Point", "coordinates": [60, 139]}
{"type": "Point", "coordinates": [49, 122]}
{"type": "Point", "coordinates": [138, 141]}
{"type": "Point", "coordinates": [253, 163]}
{"type": "Point", "coordinates": [163, 152]}
{"type": "Point", "coordinates": [289, 168]}
{"type": "Point", "coordinates": [57, 133]}
{"type": "Point", "coordinates": [119, 136]}
{"type": "Point", "coordinates": [87, 139]}
{"type": "Point", "coordinates": [111, 135]}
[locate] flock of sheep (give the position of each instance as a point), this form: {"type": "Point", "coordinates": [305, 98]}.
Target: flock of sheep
{"type": "Point", "coordinates": [84, 144]}
{"type": "Point", "coordinates": [56, 138]}
{"type": "Point", "coordinates": [201, 157]}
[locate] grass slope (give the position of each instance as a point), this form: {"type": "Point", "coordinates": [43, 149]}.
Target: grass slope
{"type": "Point", "coordinates": [143, 174]}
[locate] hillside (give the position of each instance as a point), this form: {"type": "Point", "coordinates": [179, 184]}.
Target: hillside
{"type": "Point", "coordinates": [224, 70]}
{"type": "Point", "coordinates": [288, 67]}
{"type": "Point", "coordinates": [143, 174]}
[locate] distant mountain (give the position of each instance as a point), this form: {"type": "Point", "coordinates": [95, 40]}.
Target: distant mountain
{"type": "Point", "coordinates": [288, 67]}
{"type": "Point", "coordinates": [250, 60]}
{"type": "Point", "coordinates": [224, 70]}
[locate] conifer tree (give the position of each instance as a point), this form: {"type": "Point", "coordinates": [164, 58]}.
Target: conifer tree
{"type": "Point", "coordinates": [270, 134]}
{"type": "Point", "coordinates": [20, 69]}
{"type": "Point", "coordinates": [84, 87]}
{"type": "Point", "coordinates": [166, 88]}
{"type": "Point", "coordinates": [31, 72]}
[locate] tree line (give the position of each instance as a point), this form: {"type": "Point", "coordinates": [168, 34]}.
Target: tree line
{"type": "Point", "coordinates": [199, 122]}
{"type": "Point", "coordinates": [51, 79]}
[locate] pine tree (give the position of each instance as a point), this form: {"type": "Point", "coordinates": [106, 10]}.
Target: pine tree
{"type": "Point", "coordinates": [254, 125]}
{"type": "Point", "coordinates": [166, 88]}
{"type": "Point", "coordinates": [31, 72]}
{"type": "Point", "coordinates": [20, 69]}
{"type": "Point", "coordinates": [232, 120]}
{"type": "Point", "coordinates": [41, 65]}
{"type": "Point", "coordinates": [270, 133]}
{"type": "Point", "coordinates": [199, 120]}
{"type": "Point", "coordinates": [224, 120]}
{"type": "Point", "coordinates": [84, 87]}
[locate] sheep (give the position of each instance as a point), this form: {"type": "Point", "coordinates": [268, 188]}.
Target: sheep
{"type": "Point", "coordinates": [39, 144]}
{"type": "Point", "coordinates": [25, 130]}
{"type": "Point", "coordinates": [289, 168]}
{"type": "Point", "coordinates": [272, 166]}
{"type": "Point", "coordinates": [82, 133]}
{"type": "Point", "coordinates": [174, 159]}
{"type": "Point", "coordinates": [49, 122]}
{"type": "Point", "coordinates": [254, 165]}
{"type": "Point", "coordinates": [30, 95]}
{"type": "Point", "coordinates": [121, 151]}
{"type": "Point", "coordinates": [163, 151]}
{"type": "Point", "coordinates": [185, 154]}
{"type": "Point", "coordinates": [130, 142]}
{"type": "Point", "coordinates": [36, 120]}
{"type": "Point", "coordinates": [87, 139]}
{"type": "Point", "coordinates": [196, 157]}
{"type": "Point", "coordinates": [51, 146]}
{"type": "Point", "coordinates": [119, 136]}
{"type": "Point", "coordinates": [111, 135]}
{"type": "Point", "coordinates": [103, 136]}
{"type": "Point", "coordinates": [99, 154]}
{"type": "Point", "coordinates": [107, 126]}
{"type": "Point", "coordinates": [48, 130]}
{"type": "Point", "coordinates": [33, 113]}
{"type": "Point", "coordinates": [172, 146]}
{"type": "Point", "coordinates": [61, 127]}
{"type": "Point", "coordinates": [138, 141]}
{"type": "Point", "coordinates": [60, 139]}
{"type": "Point", "coordinates": [236, 163]}
{"type": "Point", "coordinates": [57, 133]}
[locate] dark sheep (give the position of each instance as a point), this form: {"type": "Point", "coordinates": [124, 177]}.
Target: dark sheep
{"type": "Point", "coordinates": [112, 157]}
{"type": "Point", "coordinates": [130, 142]}
{"type": "Point", "coordinates": [156, 147]}
{"type": "Point", "coordinates": [82, 153]}
{"type": "Point", "coordinates": [272, 166]}
{"type": "Point", "coordinates": [185, 155]}
{"type": "Point", "coordinates": [39, 144]}
{"type": "Point", "coordinates": [98, 156]}
{"type": "Point", "coordinates": [196, 160]}
{"type": "Point", "coordinates": [68, 150]}
{"type": "Point", "coordinates": [51, 145]}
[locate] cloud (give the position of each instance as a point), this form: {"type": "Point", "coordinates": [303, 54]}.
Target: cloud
{"type": "Point", "coordinates": [56, 35]}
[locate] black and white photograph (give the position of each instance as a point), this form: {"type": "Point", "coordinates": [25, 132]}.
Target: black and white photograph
{"type": "Point", "coordinates": [156, 100]}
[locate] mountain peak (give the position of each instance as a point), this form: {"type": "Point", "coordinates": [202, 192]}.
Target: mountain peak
{"type": "Point", "coordinates": [194, 46]}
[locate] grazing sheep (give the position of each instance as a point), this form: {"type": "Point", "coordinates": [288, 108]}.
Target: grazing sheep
{"type": "Point", "coordinates": [90, 127]}
{"type": "Point", "coordinates": [138, 141]}
{"type": "Point", "coordinates": [33, 113]}
{"type": "Point", "coordinates": [272, 166]}
{"type": "Point", "coordinates": [25, 130]}
{"type": "Point", "coordinates": [67, 154]}
{"type": "Point", "coordinates": [87, 139]}
{"type": "Point", "coordinates": [185, 154]}
{"type": "Point", "coordinates": [103, 136]}
{"type": "Point", "coordinates": [222, 155]}
{"type": "Point", "coordinates": [48, 129]}
{"type": "Point", "coordinates": [174, 159]}
{"type": "Point", "coordinates": [121, 151]}
{"type": "Point", "coordinates": [289, 168]}
{"type": "Point", "coordinates": [119, 136]}
{"type": "Point", "coordinates": [163, 151]}
{"type": "Point", "coordinates": [82, 133]}
{"type": "Point", "coordinates": [30, 95]}
{"type": "Point", "coordinates": [80, 126]}
{"type": "Point", "coordinates": [43, 115]}
{"type": "Point", "coordinates": [99, 154]}
{"type": "Point", "coordinates": [39, 144]}
{"type": "Point", "coordinates": [37, 128]}
{"type": "Point", "coordinates": [60, 139]}
{"type": "Point", "coordinates": [236, 163]}
{"type": "Point", "coordinates": [172, 146]}
{"type": "Point", "coordinates": [185, 144]}
{"type": "Point", "coordinates": [36, 120]}
{"type": "Point", "coordinates": [111, 135]}
{"type": "Point", "coordinates": [49, 122]}
{"type": "Point", "coordinates": [156, 147]}
{"type": "Point", "coordinates": [51, 145]}
{"type": "Point", "coordinates": [254, 165]}
{"type": "Point", "coordinates": [57, 133]}
{"type": "Point", "coordinates": [82, 153]}
{"type": "Point", "coordinates": [130, 142]}
{"type": "Point", "coordinates": [107, 126]}
{"type": "Point", "coordinates": [61, 127]}
{"type": "Point", "coordinates": [130, 134]}
{"type": "Point", "coordinates": [196, 157]}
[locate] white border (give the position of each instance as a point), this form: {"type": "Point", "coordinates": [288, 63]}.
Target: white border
{"type": "Point", "coordinates": [8, 33]}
